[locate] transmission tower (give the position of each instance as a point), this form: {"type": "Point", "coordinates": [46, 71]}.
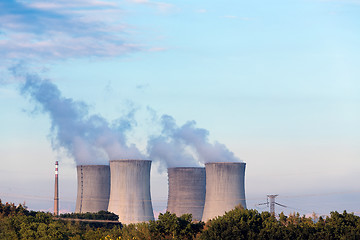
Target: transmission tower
{"type": "Point", "coordinates": [270, 201]}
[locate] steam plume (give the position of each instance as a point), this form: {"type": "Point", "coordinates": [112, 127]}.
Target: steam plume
{"type": "Point", "coordinates": [89, 139]}
{"type": "Point", "coordinates": [186, 145]}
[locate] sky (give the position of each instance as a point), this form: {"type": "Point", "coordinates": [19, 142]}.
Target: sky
{"type": "Point", "coordinates": [272, 83]}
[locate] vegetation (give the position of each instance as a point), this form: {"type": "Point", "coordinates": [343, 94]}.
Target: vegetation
{"type": "Point", "coordinates": [101, 215]}
{"type": "Point", "coordinates": [250, 224]}
{"type": "Point", "coordinates": [16, 222]}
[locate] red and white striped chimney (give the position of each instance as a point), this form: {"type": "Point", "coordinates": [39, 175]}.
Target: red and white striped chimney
{"type": "Point", "coordinates": [56, 197]}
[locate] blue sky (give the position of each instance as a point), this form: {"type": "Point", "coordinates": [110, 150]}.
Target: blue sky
{"type": "Point", "coordinates": [276, 82]}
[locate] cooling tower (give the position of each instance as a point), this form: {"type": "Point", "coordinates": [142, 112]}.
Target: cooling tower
{"type": "Point", "coordinates": [93, 188]}
{"type": "Point", "coordinates": [186, 191]}
{"type": "Point", "coordinates": [130, 190]}
{"type": "Point", "coordinates": [224, 188]}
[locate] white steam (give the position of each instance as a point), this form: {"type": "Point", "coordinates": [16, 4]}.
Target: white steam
{"type": "Point", "coordinates": [89, 139]}
{"type": "Point", "coordinates": [186, 146]}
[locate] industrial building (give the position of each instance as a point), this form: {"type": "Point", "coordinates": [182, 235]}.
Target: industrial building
{"type": "Point", "coordinates": [124, 189]}
{"type": "Point", "coordinates": [93, 188]}
{"type": "Point", "coordinates": [224, 188]}
{"type": "Point", "coordinates": [130, 195]}
{"type": "Point", "coordinates": [186, 191]}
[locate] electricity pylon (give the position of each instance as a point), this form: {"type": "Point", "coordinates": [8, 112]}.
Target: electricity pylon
{"type": "Point", "coordinates": [270, 201]}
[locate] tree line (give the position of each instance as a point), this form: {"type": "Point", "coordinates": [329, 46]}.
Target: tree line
{"type": "Point", "coordinates": [16, 222]}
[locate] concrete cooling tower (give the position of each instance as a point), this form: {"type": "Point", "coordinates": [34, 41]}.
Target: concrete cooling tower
{"type": "Point", "coordinates": [93, 188]}
{"type": "Point", "coordinates": [224, 188]}
{"type": "Point", "coordinates": [186, 191]}
{"type": "Point", "coordinates": [130, 190]}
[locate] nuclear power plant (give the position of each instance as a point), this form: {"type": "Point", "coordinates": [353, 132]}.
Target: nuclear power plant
{"type": "Point", "coordinates": [93, 188]}
{"type": "Point", "coordinates": [224, 188]}
{"type": "Point", "coordinates": [130, 190]}
{"type": "Point", "coordinates": [186, 191]}
{"type": "Point", "coordinates": [124, 189]}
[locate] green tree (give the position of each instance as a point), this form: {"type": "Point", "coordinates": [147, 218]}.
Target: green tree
{"type": "Point", "coordinates": [169, 226]}
{"type": "Point", "coordinates": [235, 224]}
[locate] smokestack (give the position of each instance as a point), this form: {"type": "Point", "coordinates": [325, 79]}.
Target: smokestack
{"type": "Point", "coordinates": [224, 188]}
{"type": "Point", "coordinates": [93, 188]}
{"type": "Point", "coordinates": [130, 190]}
{"type": "Point", "coordinates": [186, 191]}
{"type": "Point", "coordinates": [56, 195]}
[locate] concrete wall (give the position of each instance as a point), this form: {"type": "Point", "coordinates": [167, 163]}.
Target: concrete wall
{"type": "Point", "coordinates": [224, 188]}
{"type": "Point", "coordinates": [130, 190]}
{"type": "Point", "coordinates": [186, 191]}
{"type": "Point", "coordinates": [93, 188]}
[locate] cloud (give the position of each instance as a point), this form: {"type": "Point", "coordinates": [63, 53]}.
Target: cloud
{"type": "Point", "coordinates": [7, 93]}
{"type": "Point", "coordinates": [62, 29]}
{"type": "Point", "coordinates": [157, 49]}
{"type": "Point", "coordinates": [161, 6]}
{"type": "Point", "coordinates": [64, 4]}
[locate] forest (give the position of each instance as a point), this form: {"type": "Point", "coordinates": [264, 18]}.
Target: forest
{"type": "Point", "coordinates": [17, 222]}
